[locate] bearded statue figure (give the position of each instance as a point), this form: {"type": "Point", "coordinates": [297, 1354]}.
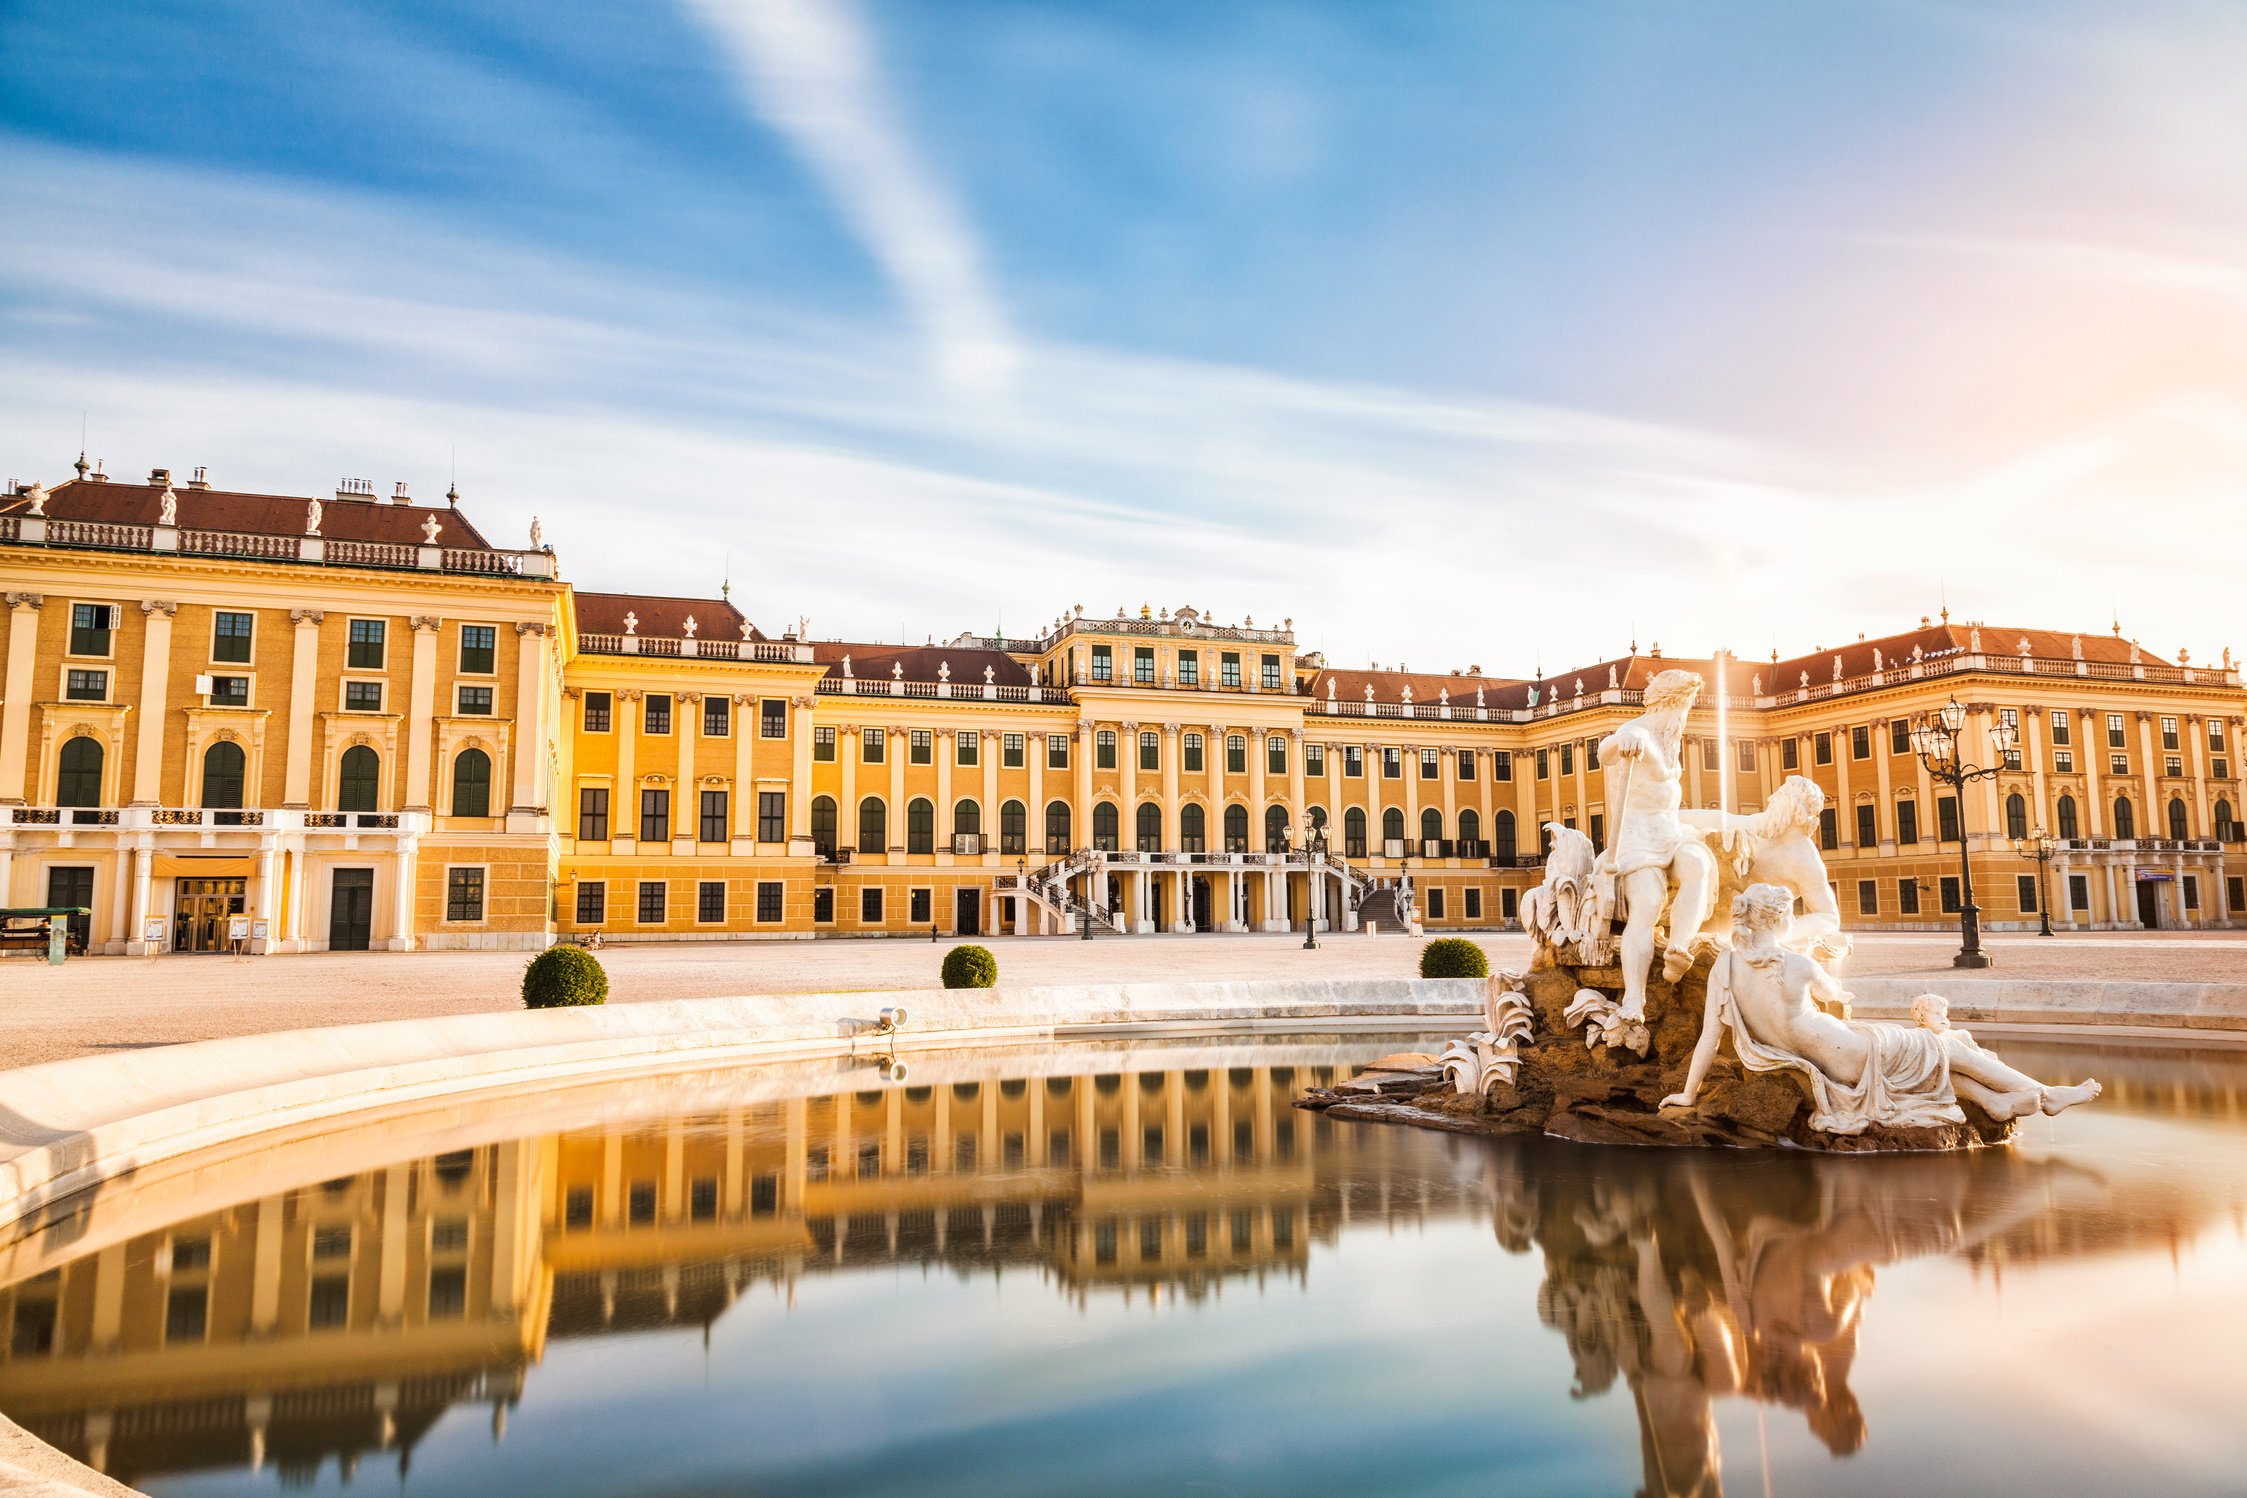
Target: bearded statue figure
{"type": "Point", "coordinates": [1655, 860]}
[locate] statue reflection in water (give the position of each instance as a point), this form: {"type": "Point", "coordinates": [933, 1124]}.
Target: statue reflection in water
{"type": "Point", "coordinates": [1693, 1277]}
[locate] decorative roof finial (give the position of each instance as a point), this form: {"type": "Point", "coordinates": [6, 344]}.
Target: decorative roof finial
{"type": "Point", "coordinates": [81, 465]}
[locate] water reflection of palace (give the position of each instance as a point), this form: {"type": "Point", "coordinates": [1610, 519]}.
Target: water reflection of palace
{"type": "Point", "coordinates": [346, 1317]}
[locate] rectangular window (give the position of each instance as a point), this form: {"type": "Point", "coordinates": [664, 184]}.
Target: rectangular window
{"type": "Point", "coordinates": [1509, 904]}
{"type": "Point", "coordinates": [2216, 734]}
{"type": "Point", "coordinates": [1466, 764]}
{"type": "Point", "coordinates": [597, 712]}
{"type": "Point", "coordinates": [1544, 764]}
{"type": "Point", "coordinates": [1946, 819]}
{"type": "Point", "coordinates": [1392, 764]}
{"type": "Point", "coordinates": [1599, 830]}
{"type": "Point", "coordinates": [770, 905]}
{"type": "Point", "coordinates": [1949, 891]}
{"type": "Point", "coordinates": [1821, 748]}
{"type": "Point", "coordinates": [1868, 827]}
{"type": "Point", "coordinates": [924, 904]}
{"type": "Point", "coordinates": [823, 745]}
{"type": "Point", "coordinates": [1057, 751]}
{"type": "Point", "coordinates": [363, 649]}
{"type": "Point", "coordinates": [230, 636]}
{"type": "Point", "coordinates": [1907, 897]}
{"type": "Point", "coordinates": [870, 906]}
{"type": "Point", "coordinates": [2168, 733]}
{"type": "Point", "coordinates": [1899, 736]}
{"type": "Point", "coordinates": [717, 717]}
{"type": "Point", "coordinates": [2115, 737]}
{"type": "Point", "coordinates": [1431, 764]}
{"type": "Point", "coordinates": [1708, 754]}
{"type": "Point", "coordinates": [362, 696]}
{"type": "Point", "coordinates": [592, 903]}
{"type": "Point", "coordinates": [1271, 665]}
{"type": "Point", "coordinates": [1236, 754]}
{"type": "Point", "coordinates": [2025, 888]}
{"type": "Point", "coordinates": [1189, 668]}
{"type": "Point", "coordinates": [2172, 765]}
{"type": "Point", "coordinates": [873, 745]}
{"type": "Point", "coordinates": [92, 628]}
{"type": "Point", "coordinates": [772, 718]}
{"type": "Point", "coordinates": [1829, 832]}
{"type": "Point", "coordinates": [1143, 665]}
{"type": "Point", "coordinates": [464, 894]}
{"type": "Point", "coordinates": [2063, 761]}
{"type": "Point", "coordinates": [1104, 749]}
{"type": "Point", "coordinates": [473, 702]}
{"type": "Point", "coordinates": [1501, 764]}
{"type": "Point", "coordinates": [1275, 755]}
{"type": "Point", "coordinates": [652, 893]}
{"type": "Point", "coordinates": [1747, 757]}
{"type": "Point", "coordinates": [967, 747]}
{"type": "Point", "coordinates": [1435, 902]}
{"type": "Point", "coordinates": [1314, 761]}
{"type": "Point", "coordinates": [1868, 897]}
{"type": "Point", "coordinates": [1907, 822]}
{"type": "Point", "coordinates": [479, 649]}
{"type": "Point", "coordinates": [2060, 726]}
{"type": "Point", "coordinates": [710, 901]}
{"type": "Point", "coordinates": [1568, 759]}
{"type": "Point", "coordinates": [1229, 669]}
{"type": "Point", "coordinates": [1010, 751]}
{"type": "Point", "coordinates": [920, 747]}
{"type": "Point", "coordinates": [593, 814]}
{"type": "Point", "coordinates": [714, 828]}
{"type": "Point", "coordinates": [1474, 904]}
{"type": "Point", "coordinates": [1790, 753]}
{"type": "Point", "coordinates": [1103, 663]}
{"type": "Point", "coordinates": [1150, 750]}
{"type": "Point", "coordinates": [655, 815]}
{"type": "Point", "coordinates": [823, 907]}
{"type": "Point", "coordinates": [2118, 764]}
{"type": "Point", "coordinates": [2190, 884]}
{"type": "Point", "coordinates": [93, 686]}
{"type": "Point", "coordinates": [1353, 761]}
{"type": "Point", "coordinates": [2079, 893]}
{"type": "Point", "coordinates": [655, 715]}
{"type": "Point", "coordinates": [772, 816]}
{"type": "Point", "coordinates": [1860, 742]}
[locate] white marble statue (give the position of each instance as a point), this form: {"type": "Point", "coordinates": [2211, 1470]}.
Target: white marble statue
{"type": "Point", "coordinates": [1779, 845]}
{"type": "Point", "coordinates": [168, 508]}
{"type": "Point", "coordinates": [1653, 860]}
{"type": "Point", "coordinates": [1786, 1013]}
{"type": "Point", "coordinates": [312, 510]}
{"type": "Point", "coordinates": [1561, 911]}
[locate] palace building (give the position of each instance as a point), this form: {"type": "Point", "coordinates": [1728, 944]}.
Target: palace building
{"type": "Point", "coordinates": [263, 723]}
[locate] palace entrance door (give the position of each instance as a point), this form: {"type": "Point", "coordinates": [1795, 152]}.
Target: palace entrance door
{"type": "Point", "coordinates": [199, 912]}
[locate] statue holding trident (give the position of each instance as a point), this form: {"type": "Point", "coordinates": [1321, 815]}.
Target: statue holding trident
{"type": "Point", "coordinates": [1654, 859]}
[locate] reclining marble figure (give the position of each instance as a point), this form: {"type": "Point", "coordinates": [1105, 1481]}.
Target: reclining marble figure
{"type": "Point", "coordinates": [1858, 1073]}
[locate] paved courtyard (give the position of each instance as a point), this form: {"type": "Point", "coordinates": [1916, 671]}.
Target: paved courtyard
{"type": "Point", "coordinates": [98, 1004]}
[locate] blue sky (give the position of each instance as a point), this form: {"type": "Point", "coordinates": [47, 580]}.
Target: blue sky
{"type": "Point", "coordinates": [1455, 332]}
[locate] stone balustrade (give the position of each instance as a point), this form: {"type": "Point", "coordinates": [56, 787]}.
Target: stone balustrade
{"type": "Point", "coordinates": [95, 535]}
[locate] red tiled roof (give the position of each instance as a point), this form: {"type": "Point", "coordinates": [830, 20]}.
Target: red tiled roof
{"type": "Point", "coordinates": [1945, 640]}
{"type": "Point", "coordinates": [1427, 687]}
{"type": "Point", "coordinates": [256, 514]}
{"type": "Point", "coordinates": [921, 662]}
{"type": "Point", "coordinates": [661, 617]}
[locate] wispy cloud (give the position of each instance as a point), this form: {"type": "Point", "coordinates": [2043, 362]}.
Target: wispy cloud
{"type": "Point", "coordinates": [808, 69]}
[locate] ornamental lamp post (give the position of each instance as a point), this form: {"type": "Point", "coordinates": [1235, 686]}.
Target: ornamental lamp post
{"type": "Point", "coordinates": [1314, 852]}
{"type": "Point", "coordinates": [1938, 737]}
{"type": "Point", "coordinates": [2039, 845]}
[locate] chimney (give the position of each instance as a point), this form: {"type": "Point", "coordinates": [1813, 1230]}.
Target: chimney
{"type": "Point", "coordinates": [202, 479]}
{"type": "Point", "coordinates": [97, 476]}
{"type": "Point", "coordinates": [159, 478]}
{"type": "Point", "coordinates": [359, 489]}
{"type": "Point", "coordinates": [398, 494]}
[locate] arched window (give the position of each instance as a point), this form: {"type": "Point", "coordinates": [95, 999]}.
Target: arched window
{"type": "Point", "coordinates": [1318, 816]}
{"type": "Point", "coordinates": [2068, 824]}
{"type": "Point", "coordinates": [1056, 829]}
{"type": "Point", "coordinates": [223, 764]}
{"type": "Point", "coordinates": [1014, 828]}
{"type": "Point", "coordinates": [2226, 829]}
{"type": "Point", "coordinates": [1104, 826]}
{"type": "Point", "coordinates": [1431, 825]}
{"type": "Point", "coordinates": [1275, 829]}
{"type": "Point", "coordinates": [823, 826]}
{"type": "Point", "coordinates": [1470, 830]}
{"type": "Point", "coordinates": [1392, 827]}
{"type": "Point", "coordinates": [78, 773]}
{"type": "Point", "coordinates": [1353, 832]}
{"type": "Point", "coordinates": [2016, 816]}
{"type": "Point", "coordinates": [1193, 829]}
{"type": "Point", "coordinates": [472, 783]}
{"type": "Point", "coordinates": [967, 817]}
{"type": "Point", "coordinates": [358, 779]}
{"type": "Point", "coordinates": [873, 825]}
{"type": "Point", "coordinates": [920, 825]}
{"type": "Point", "coordinates": [1502, 836]}
{"type": "Point", "coordinates": [2125, 821]}
{"type": "Point", "coordinates": [1236, 829]}
{"type": "Point", "coordinates": [2177, 826]}
{"type": "Point", "coordinates": [1150, 827]}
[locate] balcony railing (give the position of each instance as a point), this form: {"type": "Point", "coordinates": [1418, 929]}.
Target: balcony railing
{"type": "Point", "coordinates": [278, 819]}
{"type": "Point", "coordinates": [952, 691]}
{"type": "Point", "coordinates": [100, 535]}
{"type": "Point", "coordinates": [786, 652]}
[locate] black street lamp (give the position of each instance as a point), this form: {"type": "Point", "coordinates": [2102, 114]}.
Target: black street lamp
{"type": "Point", "coordinates": [1314, 853]}
{"type": "Point", "coordinates": [1937, 737]}
{"type": "Point", "coordinates": [2039, 846]}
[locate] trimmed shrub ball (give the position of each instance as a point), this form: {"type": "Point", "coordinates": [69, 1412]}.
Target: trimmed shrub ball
{"type": "Point", "coordinates": [1453, 957]}
{"type": "Point", "coordinates": [970, 967]}
{"type": "Point", "coordinates": [561, 977]}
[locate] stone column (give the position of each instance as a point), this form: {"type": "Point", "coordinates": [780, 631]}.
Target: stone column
{"type": "Point", "coordinates": [1297, 805]}
{"type": "Point", "coordinates": [401, 937]}
{"type": "Point", "coordinates": [1213, 765]}
{"type": "Point", "coordinates": [624, 801]}
{"type": "Point", "coordinates": [799, 789]}
{"type": "Point", "coordinates": [2153, 821]}
{"type": "Point", "coordinates": [265, 1267]}
{"type": "Point", "coordinates": [686, 803]}
{"type": "Point", "coordinates": [947, 757]}
{"type": "Point", "coordinates": [2091, 731]}
{"type": "Point", "coordinates": [532, 669]}
{"type": "Point", "coordinates": [1412, 799]}
{"type": "Point", "coordinates": [1884, 804]}
{"type": "Point", "coordinates": [144, 859]}
{"type": "Point", "coordinates": [899, 746]}
{"type": "Point", "coordinates": [421, 715]}
{"type": "Point", "coordinates": [17, 692]}
{"type": "Point", "coordinates": [1172, 835]}
{"type": "Point", "coordinates": [155, 688]}
{"type": "Point", "coordinates": [295, 933]}
{"type": "Point", "coordinates": [1127, 776]}
{"type": "Point", "coordinates": [1080, 820]}
{"type": "Point", "coordinates": [1256, 754]}
{"type": "Point", "coordinates": [848, 753]}
{"type": "Point", "coordinates": [990, 817]}
{"type": "Point", "coordinates": [746, 726]}
{"type": "Point", "coordinates": [1033, 812]}
{"type": "Point", "coordinates": [1373, 794]}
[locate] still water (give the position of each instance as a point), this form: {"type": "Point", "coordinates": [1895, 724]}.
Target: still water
{"type": "Point", "coordinates": [1136, 1270]}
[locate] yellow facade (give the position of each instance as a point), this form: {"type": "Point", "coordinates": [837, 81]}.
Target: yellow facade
{"type": "Point", "coordinates": [439, 743]}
